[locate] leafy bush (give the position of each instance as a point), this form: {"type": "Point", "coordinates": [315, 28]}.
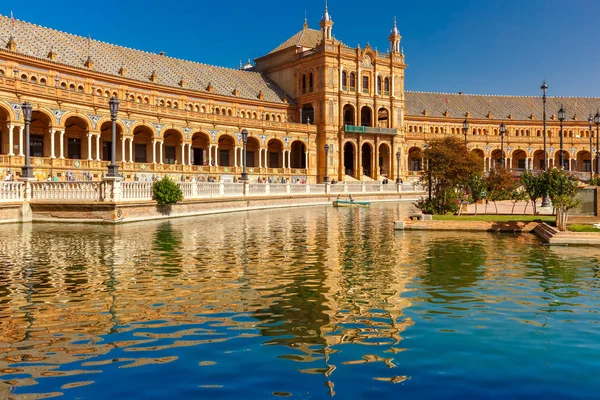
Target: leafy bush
{"type": "Point", "coordinates": [166, 192]}
{"type": "Point", "coordinates": [562, 189]}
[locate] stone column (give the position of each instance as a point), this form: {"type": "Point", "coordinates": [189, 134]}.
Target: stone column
{"type": "Point", "coordinates": [52, 143]}
{"type": "Point", "coordinates": [122, 149]}
{"type": "Point", "coordinates": [130, 149]}
{"type": "Point", "coordinates": [289, 161]}
{"type": "Point", "coordinates": [62, 144]}
{"type": "Point", "coordinates": [89, 146]}
{"type": "Point", "coordinates": [235, 157]}
{"type": "Point", "coordinates": [182, 153]}
{"type": "Point", "coordinates": [153, 151]}
{"type": "Point", "coordinates": [21, 149]}
{"type": "Point", "coordinates": [216, 155]}
{"type": "Point", "coordinates": [266, 158]}
{"type": "Point", "coordinates": [11, 130]}
{"type": "Point", "coordinates": [260, 151]}
{"type": "Point", "coordinates": [306, 159]}
{"type": "Point", "coordinates": [98, 148]}
{"type": "Point", "coordinates": [160, 152]}
{"type": "Point", "coordinates": [210, 146]}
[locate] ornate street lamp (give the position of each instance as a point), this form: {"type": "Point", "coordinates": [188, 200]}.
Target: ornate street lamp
{"type": "Point", "coordinates": [562, 115]}
{"type": "Point", "coordinates": [27, 170]}
{"type": "Point", "coordinates": [465, 129]}
{"type": "Point", "coordinates": [597, 122]}
{"type": "Point", "coordinates": [544, 87]}
{"type": "Point", "coordinates": [113, 168]}
{"type": "Point", "coordinates": [326, 177]}
{"type": "Point", "coordinates": [502, 132]}
{"type": "Point", "coordinates": [398, 167]}
{"type": "Point", "coordinates": [245, 142]}
{"type": "Point", "coordinates": [590, 121]}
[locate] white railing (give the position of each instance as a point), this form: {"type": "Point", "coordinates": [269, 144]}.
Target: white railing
{"type": "Point", "coordinates": [257, 189]}
{"type": "Point", "coordinates": [11, 192]}
{"type": "Point", "coordinates": [208, 190]}
{"type": "Point", "coordinates": [136, 190]}
{"type": "Point", "coordinates": [142, 191]}
{"type": "Point", "coordinates": [233, 189]}
{"type": "Point", "coordinates": [67, 191]}
{"type": "Point", "coordinates": [278, 188]}
{"type": "Point", "coordinates": [187, 188]}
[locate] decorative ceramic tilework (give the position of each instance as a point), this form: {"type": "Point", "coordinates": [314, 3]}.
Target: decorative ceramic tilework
{"type": "Point", "coordinates": [94, 119]}
{"type": "Point", "coordinates": [158, 128]}
{"type": "Point", "coordinates": [127, 123]}
{"type": "Point", "coordinates": [187, 132]}
{"type": "Point", "coordinates": [58, 114]}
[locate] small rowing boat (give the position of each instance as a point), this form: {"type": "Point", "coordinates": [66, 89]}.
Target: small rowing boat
{"type": "Point", "coordinates": [350, 203]}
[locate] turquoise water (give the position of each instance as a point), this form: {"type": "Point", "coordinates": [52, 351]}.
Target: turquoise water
{"type": "Point", "coordinates": [297, 303]}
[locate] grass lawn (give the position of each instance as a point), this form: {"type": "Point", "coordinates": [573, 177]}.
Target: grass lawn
{"type": "Point", "coordinates": [496, 218]}
{"type": "Point", "coordinates": [582, 228]}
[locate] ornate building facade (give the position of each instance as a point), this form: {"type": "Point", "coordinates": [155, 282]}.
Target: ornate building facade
{"type": "Point", "coordinates": [184, 118]}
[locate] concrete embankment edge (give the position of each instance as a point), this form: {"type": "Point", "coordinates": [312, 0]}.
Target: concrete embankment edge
{"type": "Point", "coordinates": [135, 211]}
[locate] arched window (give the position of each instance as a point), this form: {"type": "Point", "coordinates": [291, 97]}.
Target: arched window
{"type": "Point", "coordinates": [344, 80]}
{"type": "Point", "coordinates": [175, 105]}
{"type": "Point", "coordinates": [72, 87]}
{"type": "Point", "coordinates": [386, 86]}
{"type": "Point", "coordinates": [23, 77]}
{"type": "Point", "coordinates": [303, 84]}
{"type": "Point", "coordinates": [352, 82]}
{"type": "Point", "coordinates": [379, 85]}
{"type": "Point", "coordinates": [80, 89]}
{"type": "Point", "coordinates": [33, 79]}
{"type": "Point", "coordinates": [310, 83]}
{"type": "Point", "coordinates": [267, 118]}
{"type": "Point", "coordinates": [43, 81]}
{"type": "Point", "coordinates": [365, 84]}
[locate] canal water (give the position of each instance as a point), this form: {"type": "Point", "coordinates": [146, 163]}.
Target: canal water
{"type": "Point", "coordinates": [294, 303]}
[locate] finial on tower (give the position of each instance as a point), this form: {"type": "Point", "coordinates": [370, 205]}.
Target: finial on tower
{"type": "Point", "coordinates": [395, 38]}
{"type": "Point", "coordinates": [326, 24]}
{"type": "Point", "coordinates": [305, 20]}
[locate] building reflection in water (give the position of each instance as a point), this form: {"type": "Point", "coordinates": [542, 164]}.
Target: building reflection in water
{"type": "Point", "coordinates": [329, 288]}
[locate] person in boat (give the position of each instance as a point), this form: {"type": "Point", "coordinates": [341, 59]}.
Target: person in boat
{"type": "Point", "coordinates": [351, 198]}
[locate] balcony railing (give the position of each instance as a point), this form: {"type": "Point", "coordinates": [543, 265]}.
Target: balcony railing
{"type": "Point", "coordinates": [370, 130]}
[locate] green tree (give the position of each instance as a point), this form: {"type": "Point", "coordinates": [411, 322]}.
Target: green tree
{"type": "Point", "coordinates": [500, 183]}
{"type": "Point", "coordinates": [477, 189]}
{"type": "Point", "coordinates": [535, 187]}
{"type": "Point", "coordinates": [562, 189]}
{"type": "Point", "coordinates": [166, 192]}
{"type": "Point", "coordinates": [448, 166]}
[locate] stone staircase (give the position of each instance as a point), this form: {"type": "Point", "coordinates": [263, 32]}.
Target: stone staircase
{"type": "Point", "coordinates": [552, 236]}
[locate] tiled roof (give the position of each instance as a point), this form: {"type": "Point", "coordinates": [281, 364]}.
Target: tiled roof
{"type": "Point", "coordinates": [500, 107]}
{"type": "Point", "coordinates": [306, 38]}
{"type": "Point", "coordinates": [72, 50]}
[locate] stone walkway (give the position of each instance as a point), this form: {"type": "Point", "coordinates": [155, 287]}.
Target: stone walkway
{"type": "Point", "coordinates": [506, 207]}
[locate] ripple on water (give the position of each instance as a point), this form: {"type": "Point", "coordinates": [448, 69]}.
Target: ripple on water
{"type": "Point", "coordinates": [302, 303]}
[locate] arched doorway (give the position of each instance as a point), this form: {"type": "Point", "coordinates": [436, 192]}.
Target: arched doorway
{"type": "Point", "coordinates": [497, 158]}
{"type": "Point", "coordinates": [298, 157]}
{"type": "Point", "coordinates": [566, 160]}
{"type": "Point", "coordinates": [365, 116]}
{"type": "Point", "coordinates": [77, 143]}
{"type": "Point", "coordinates": [367, 154]}
{"type": "Point", "coordinates": [481, 155]}
{"type": "Point", "coordinates": [383, 118]}
{"type": "Point", "coordinates": [349, 115]}
{"type": "Point", "coordinates": [106, 141]}
{"type": "Point", "coordinates": [308, 114]}
{"type": "Point", "coordinates": [252, 152]}
{"type": "Point", "coordinates": [584, 162]}
{"type": "Point", "coordinates": [274, 154]}
{"type": "Point", "coordinates": [538, 160]}
{"type": "Point", "coordinates": [5, 133]}
{"type": "Point", "coordinates": [349, 158]}
{"type": "Point", "coordinates": [142, 144]}
{"type": "Point", "coordinates": [385, 162]}
{"type": "Point", "coordinates": [225, 151]}
{"type": "Point", "coordinates": [519, 160]}
{"type": "Point", "coordinates": [171, 148]}
{"type": "Point", "coordinates": [200, 145]}
{"type": "Point", "coordinates": [415, 159]}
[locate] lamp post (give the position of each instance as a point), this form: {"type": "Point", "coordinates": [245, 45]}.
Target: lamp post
{"type": "Point", "coordinates": [398, 167]}
{"type": "Point", "coordinates": [27, 170]}
{"type": "Point", "coordinates": [465, 129]}
{"type": "Point", "coordinates": [245, 142]}
{"type": "Point", "coordinates": [326, 177]}
{"type": "Point", "coordinates": [561, 117]}
{"type": "Point", "coordinates": [502, 132]}
{"type": "Point", "coordinates": [597, 122]}
{"type": "Point", "coordinates": [590, 121]}
{"type": "Point", "coordinates": [544, 87]}
{"type": "Point", "coordinates": [113, 168]}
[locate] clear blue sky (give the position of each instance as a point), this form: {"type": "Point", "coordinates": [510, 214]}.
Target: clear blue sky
{"type": "Point", "coordinates": [474, 46]}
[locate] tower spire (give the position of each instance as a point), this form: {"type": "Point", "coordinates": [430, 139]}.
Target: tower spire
{"type": "Point", "coordinates": [395, 38]}
{"type": "Point", "coordinates": [326, 24]}
{"type": "Point", "coordinates": [305, 20]}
